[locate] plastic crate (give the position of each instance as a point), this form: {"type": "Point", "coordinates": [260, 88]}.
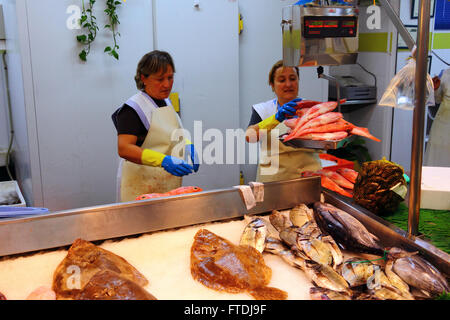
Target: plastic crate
{"type": "Point", "coordinates": [12, 186]}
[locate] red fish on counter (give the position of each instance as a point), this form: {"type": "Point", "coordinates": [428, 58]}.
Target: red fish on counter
{"type": "Point", "coordinates": [306, 104]}
{"type": "Point", "coordinates": [337, 178]}
{"type": "Point", "coordinates": [327, 183]}
{"type": "Point", "coordinates": [333, 186]}
{"type": "Point", "coordinates": [174, 192]}
{"type": "Point", "coordinates": [348, 174]}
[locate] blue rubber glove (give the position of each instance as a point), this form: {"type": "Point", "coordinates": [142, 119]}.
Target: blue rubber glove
{"type": "Point", "coordinates": [176, 166]}
{"type": "Point", "coordinates": [287, 109]}
{"type": "Point", "coordinates": [192, 154]}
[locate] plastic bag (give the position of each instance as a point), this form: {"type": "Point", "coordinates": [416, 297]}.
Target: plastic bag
{"type": "Point", "coordinates": [400, 91]}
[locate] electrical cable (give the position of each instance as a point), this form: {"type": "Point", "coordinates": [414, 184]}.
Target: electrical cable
{"type": "Point", "coordinates": [440, 58]}
{"type": "Point", "coordinates": [8, 101]}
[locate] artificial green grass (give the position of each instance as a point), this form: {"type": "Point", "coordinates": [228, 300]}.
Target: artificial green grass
{"type": "Point", "coordinates": [434, 225]}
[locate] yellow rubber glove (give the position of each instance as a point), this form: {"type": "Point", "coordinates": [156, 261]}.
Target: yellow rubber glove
{"type": "Point", "coordinates": [152, 158]}
{"type": "Point", "coordinates": [269, 123]}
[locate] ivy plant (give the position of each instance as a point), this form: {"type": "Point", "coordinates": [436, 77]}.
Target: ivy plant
{"type": "Point", "coordinates": [111, 8]}
{"type": "Point", "coordinates": [88, 23]}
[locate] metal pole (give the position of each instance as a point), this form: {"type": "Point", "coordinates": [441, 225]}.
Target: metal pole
{"type": "Point", "coordinates": [419, 117]}
{"type": "Point", "coordinates": [404, 33]}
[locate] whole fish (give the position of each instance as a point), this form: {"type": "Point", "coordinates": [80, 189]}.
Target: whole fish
{"type": "Point", "coordinates": [331, 185]}
{"type": "Point", "coordinates": [326, 277]}
{"type": "Point", "coordinates": [345, 229]}
{"type": "Point", "coordinates": [324, 119]}
{"type": "Point", "coordinates": [327, 136]}
{"type": "Point", "coordinates": [276, 247]}
{"type": "Point", "coordinates": [300, 214]}
{"type": "Point", "coordinates": [289, 236]}
{"type": "Point", "coordinates": [318, 293]}
{"type": "Point", "coordinates": [348, 174]}
{"type": "Point", "coordinates": [421, 274]}
{"type": "Point", "coordinates": [338, 257]}
{"type": "Point", "coordinates": [255, 234]}
{"type": "Point", "coordinates": [386, 293]}
{"type": "Point", "coordinates": [312, 113]}
{"type": "Point", "coordinates": [316, 250]}
{"type": "Point", "coordinates": [306, 104]}
{"type": "Point", "coordinates": [332, 122]}
{"type": "Point", "coordinates": [336, 177]}
{"type": "Point", "coordinates": [174, 192]}
{"type": "Point", "coordinates": [280, 220]}
{"type": "Point", "coordinates": [292, 122]}
{"type": "Point", "coordinates": [355, 273]}
{"type": "Point", "coordinates": [396, 281]}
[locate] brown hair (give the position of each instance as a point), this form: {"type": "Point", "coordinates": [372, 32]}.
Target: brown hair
{"type": "Point", "coordinates": [275, 67]}
{"type": "Point", "coordinates": [150, 63]}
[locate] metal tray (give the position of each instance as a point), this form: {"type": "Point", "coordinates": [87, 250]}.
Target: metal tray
{"type": "Point", "coordinates": [316, 144]}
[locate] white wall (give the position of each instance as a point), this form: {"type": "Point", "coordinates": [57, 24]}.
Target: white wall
{"type": "Point", "coordinates": [204, 44]}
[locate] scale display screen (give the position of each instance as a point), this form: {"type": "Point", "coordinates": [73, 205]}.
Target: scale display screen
{"type": "Point", "coordinates": [329, 27]}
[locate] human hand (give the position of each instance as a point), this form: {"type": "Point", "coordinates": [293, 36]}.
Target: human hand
{"type": "Point", "coordinates": [287, 110]}
{"type": "Point", "coordinates": [192, 154]}
{"type": "Point", "coordinates": [176, 167]}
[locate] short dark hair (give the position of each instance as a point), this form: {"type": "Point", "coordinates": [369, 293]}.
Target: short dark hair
{"type": "Point", "coordinates": [150, 63]}
{"type": "Point", "coordinates": [275, 67]}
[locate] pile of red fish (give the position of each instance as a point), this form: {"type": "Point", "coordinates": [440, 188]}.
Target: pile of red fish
{"type": "Point", "coordinates": [341, 181]}
{"type": "Point", "coordinates": [174, 192]}
{"type": "Point", "coordinates": [316, 121]}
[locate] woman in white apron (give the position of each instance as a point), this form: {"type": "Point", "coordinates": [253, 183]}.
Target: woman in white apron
{"type": "Point", "coordinates": [150, 139]}
{"type": "Point", "coordinates": [277, 161]}
{"type": "Point", "coordinates": [438, 147]}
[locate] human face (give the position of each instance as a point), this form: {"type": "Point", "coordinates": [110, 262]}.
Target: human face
{"type": "Point", "coordinates": [285, 84]}
{"type": "Point", "coordinates": [158, 85]}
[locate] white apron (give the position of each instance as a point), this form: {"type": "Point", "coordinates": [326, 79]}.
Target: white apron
{"type": "Point", "coordinates": [135, 179]}
{"type": "Point", "coordinates": [288, 163]}
{"type": "Point", "coordinates": [438, 147]}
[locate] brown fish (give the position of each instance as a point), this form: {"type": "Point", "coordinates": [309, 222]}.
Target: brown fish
{"type": "Point", "coordinates": [220, 265]}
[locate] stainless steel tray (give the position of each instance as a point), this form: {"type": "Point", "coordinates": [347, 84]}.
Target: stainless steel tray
{"type": "Point", "coordinates": [316, 144]}
{"type": "Point", "coordinates": [131, 218]}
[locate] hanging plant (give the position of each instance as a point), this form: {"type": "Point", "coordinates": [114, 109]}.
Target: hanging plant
{"type": "Point", "coordinates": [88, 22]}
{"type": "Point", "coordinates": [113, 22]}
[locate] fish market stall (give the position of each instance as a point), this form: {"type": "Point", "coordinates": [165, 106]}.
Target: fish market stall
{"type": "Point", "coordinates": [158, 238]}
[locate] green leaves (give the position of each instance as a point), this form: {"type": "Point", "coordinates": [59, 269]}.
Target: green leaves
{"type": "Point", "coordinates": [111, 7]}
{"type": "Point", "coordinates": [88, 23]}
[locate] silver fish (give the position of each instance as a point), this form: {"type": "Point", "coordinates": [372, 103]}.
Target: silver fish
{"type": "Point", "coordinates": [300, 214]}
{"type": "Point", "coordinates": [289, 236]}
{"type": "Point", "coordinates": [345, 229]}
{"type": "Point", "coordinates": [419, 273]}
{"type": "Point", "coordinates": [386, 293]}
{"type": "Point", "coordinates": [255, 234]}
{"type": "Point", "coordinates": [276, 247]}
{"type": "Point", "coordinates": [326, 277]}
{"type": "Point", "coordinates": [338, 257]}
{"type": "Point", "coordinates": [317, 293]}
{"type": "Point", "coordinates": [316, 250]}
{"type": "Point", "coordinates": [280, 220]}
{"type": "Point", "coordinates": [355, 273]}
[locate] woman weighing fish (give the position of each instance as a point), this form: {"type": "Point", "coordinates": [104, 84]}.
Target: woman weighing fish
{"type": "Point", "coordinates": [151, 161]}
{"type": "Point", "coordinates": [279, 162]}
